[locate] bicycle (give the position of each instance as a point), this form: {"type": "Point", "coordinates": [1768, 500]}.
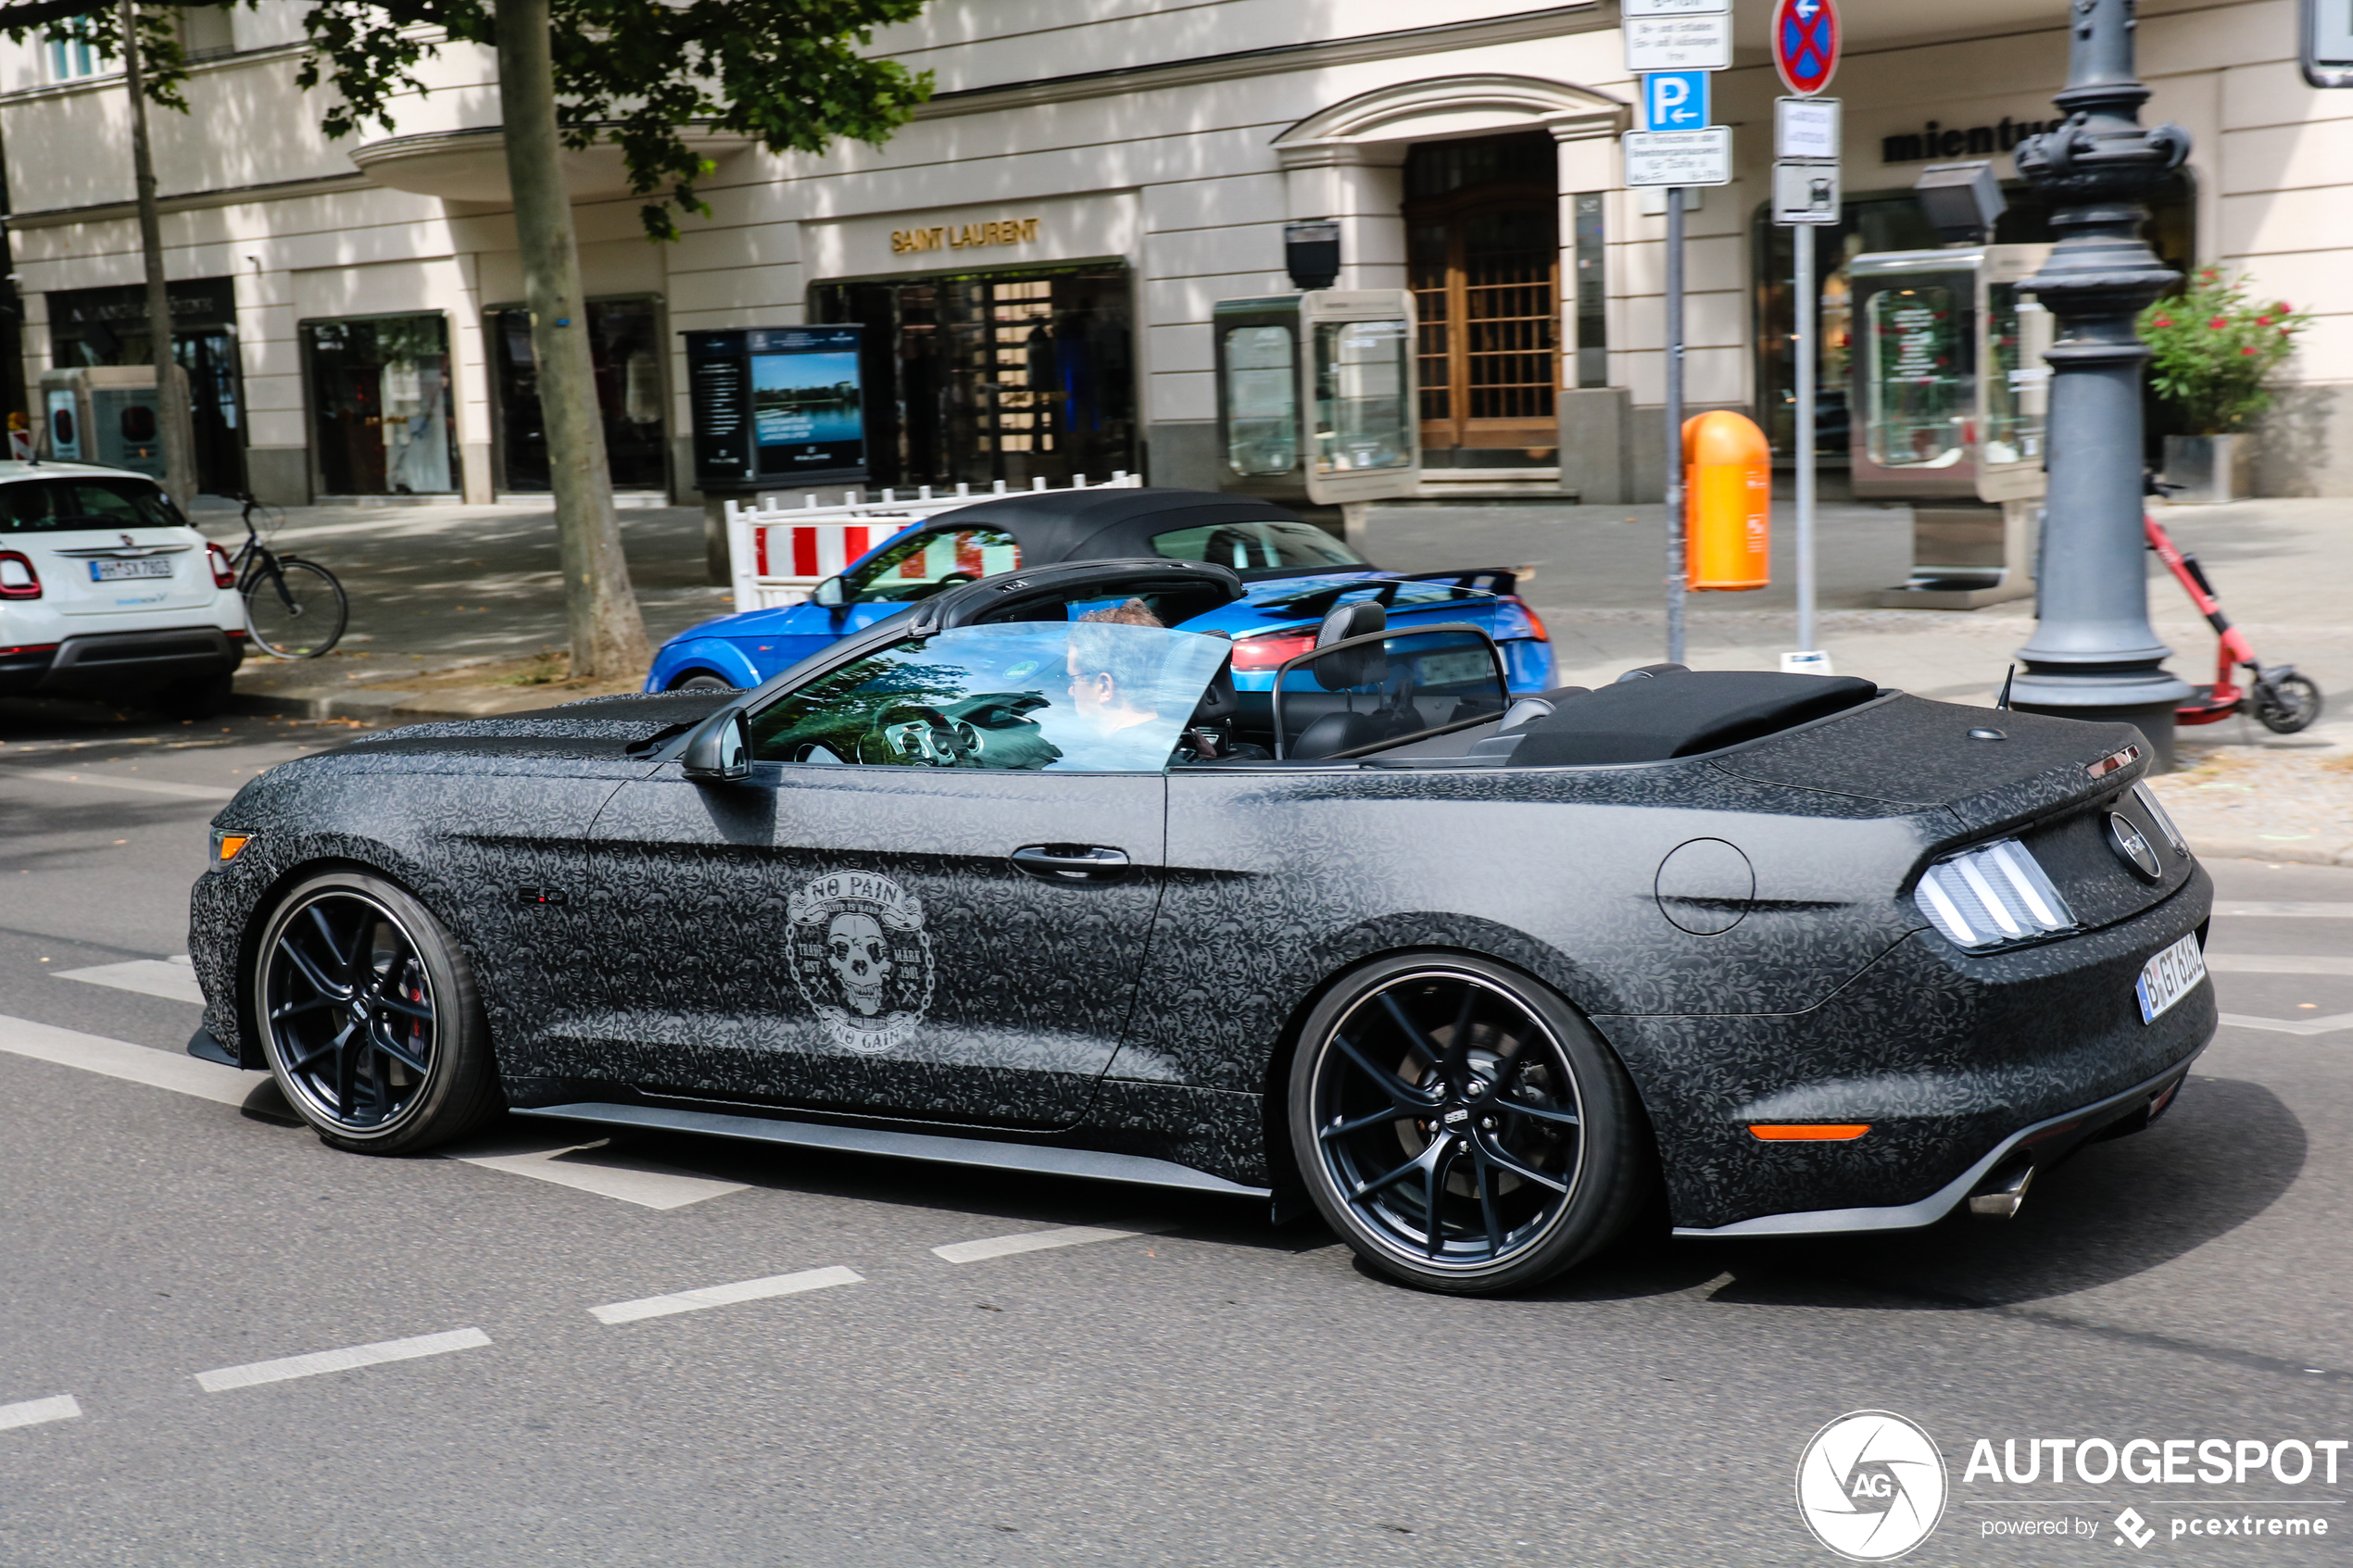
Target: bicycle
{"type": "Point", "coordinates": [294, 608]}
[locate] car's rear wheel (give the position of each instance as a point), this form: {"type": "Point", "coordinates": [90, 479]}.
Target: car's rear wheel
{"type": "Point", "coordinates": [370, 1018]}
{"type": "Point", "coordinates": [1461, 1127]}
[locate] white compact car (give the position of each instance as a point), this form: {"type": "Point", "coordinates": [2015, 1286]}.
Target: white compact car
{"type": "Point", "coordinates": [105, 591]}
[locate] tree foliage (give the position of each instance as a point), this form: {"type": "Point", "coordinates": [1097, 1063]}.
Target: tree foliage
{"type": "Point", "coordinates": [790, 74]}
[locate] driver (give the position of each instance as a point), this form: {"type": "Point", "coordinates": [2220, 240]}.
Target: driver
{"type": "Point", "coordinates": [1114, 679]}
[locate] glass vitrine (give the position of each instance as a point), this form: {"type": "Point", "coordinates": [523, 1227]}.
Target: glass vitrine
{"type": "Point", "coordinates": [1316, 395]}
{"type": "Point", "coordinates": [1950, 391]}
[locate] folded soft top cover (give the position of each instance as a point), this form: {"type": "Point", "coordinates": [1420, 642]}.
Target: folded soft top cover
{"type": "Point", "coordinates": [1682, 714]}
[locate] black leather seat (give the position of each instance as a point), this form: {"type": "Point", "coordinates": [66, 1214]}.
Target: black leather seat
{"type": "Point", "coordinates": [1336, 732]}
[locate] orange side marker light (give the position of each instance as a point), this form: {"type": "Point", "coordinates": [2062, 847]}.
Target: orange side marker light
{"type": "Point", "coordinates": [230, 843]}
{"type": "Point", "coordinates": [1809, 1131]}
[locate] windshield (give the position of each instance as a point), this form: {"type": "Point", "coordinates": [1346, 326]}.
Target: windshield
{"type": "Point", "coordinates": [1096, 696]}
{"type": "Point", "coordinates": [56, 505]}
{"type": "Point", "coordinates": [923, 564]}
{"type": "Point", "coordinates": [1260, 544]}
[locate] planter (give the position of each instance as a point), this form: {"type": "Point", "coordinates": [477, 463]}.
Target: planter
{"type": "Point", "coordinates": [2209, 467]}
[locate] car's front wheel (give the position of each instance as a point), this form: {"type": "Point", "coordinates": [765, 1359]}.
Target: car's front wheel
{"type": "Point", "coordinates": [702, 681]}
{"type": "Point", "coordinates": [370, 1018]}
{"type": "Point", "coordinates": [1461, 1127]}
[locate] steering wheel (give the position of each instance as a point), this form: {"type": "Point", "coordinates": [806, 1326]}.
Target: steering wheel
{"type": "Point", "coordinates": [950, 578]}
{"type": "Point", "coordinates": [916, 734]}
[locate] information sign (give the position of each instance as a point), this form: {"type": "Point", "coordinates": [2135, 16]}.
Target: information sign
{"type": "Point", "coordinates": [775, 405]}
{"type": "Point", "coordinates": [1805, 193]}
{"type": "Point", "coordinates": [1679, 157]}
{"type": "Point", "coordinates": [1671, 7]}
{"type": "Point", "coordinates": [1675, 100]}
{"type": "Point", "coordinates": [1805, 128]}
{"type": "Point", "coordinates": [1702, 41]}
{"type": "Point", "coordinates": [1806, 43]}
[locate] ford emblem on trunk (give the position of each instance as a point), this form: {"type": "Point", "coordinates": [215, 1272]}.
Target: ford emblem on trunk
{"type": "Point", "coordinates": [2132, 846]}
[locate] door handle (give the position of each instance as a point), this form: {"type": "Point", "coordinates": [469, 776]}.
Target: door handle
{"type": "Point", "coordinates": [1071, 862]}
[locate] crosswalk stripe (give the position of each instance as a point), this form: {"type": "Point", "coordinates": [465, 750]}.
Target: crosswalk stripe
{"type": "Point", "coordinates": [2288, 908]}
{"type": "Point", "coordinates": [149, 977]}
{"type": "Point", "coordinates": [119, 1058]}
{"type": "Point", "coordinates": [2327, 1024]}
{"type": "Point", "coordinates": [2279, 964]}
{"type": "Point", "coordinates": [116, 780]}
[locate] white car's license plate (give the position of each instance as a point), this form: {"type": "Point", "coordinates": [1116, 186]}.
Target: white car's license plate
{"type": "Point", "coordinates": [122, 570]}
{"type": "Point", "coordinates": [2168, 977]}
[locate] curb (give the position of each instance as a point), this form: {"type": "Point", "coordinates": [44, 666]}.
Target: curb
{"type": "Point", "coordinates": [2315, 851]}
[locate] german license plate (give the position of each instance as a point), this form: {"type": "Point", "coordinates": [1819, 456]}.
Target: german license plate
{"type": "Point", "coordinates": [2168, 977]}
{"type": "Point", "coordinates": [125, 571]}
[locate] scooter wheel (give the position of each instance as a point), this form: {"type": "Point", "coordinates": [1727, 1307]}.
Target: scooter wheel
{"type": "Point", "coordinates": [2288, 705]}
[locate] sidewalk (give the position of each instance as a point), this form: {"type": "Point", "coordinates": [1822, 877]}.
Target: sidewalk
{"type": "Point", "coordinates": [457, 612]}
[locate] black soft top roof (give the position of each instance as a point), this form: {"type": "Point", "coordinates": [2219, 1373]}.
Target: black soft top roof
{"type": "Point", "coordinates": [1058, 525]}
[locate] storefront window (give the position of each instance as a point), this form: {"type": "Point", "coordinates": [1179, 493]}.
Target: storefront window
{"type": "Point", "coordinates": [109, 326]}
{"type": "Point", "coordinates": [380, 397]}
{"type": "Point", "coordinates": [624, 346]}
{"type": "Point", "coordinates": [1262, 400]}
{"type": "Point", "coordinates": [976, 377]}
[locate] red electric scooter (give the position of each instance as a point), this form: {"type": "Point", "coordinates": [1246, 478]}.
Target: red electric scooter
{"type": "Point", "coordinates": [2280, 699]}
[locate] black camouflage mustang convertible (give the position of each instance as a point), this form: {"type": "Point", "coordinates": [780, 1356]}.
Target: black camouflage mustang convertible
{"type": "Point", "coordinates": [1023, 880]}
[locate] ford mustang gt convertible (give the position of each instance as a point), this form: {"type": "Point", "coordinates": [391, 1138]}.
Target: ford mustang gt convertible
{"type": "Point", "coordinates": [1028, 880]}
{"type": "Point", "coordinates": [1294, 571]}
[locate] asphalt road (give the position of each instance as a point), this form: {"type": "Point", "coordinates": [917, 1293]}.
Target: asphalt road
{"type": "Point", "coordinates": [1202, 1390]}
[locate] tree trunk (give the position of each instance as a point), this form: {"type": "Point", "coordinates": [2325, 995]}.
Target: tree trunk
{"type": "Point", "coordinates": [171, 408]}
{"type": "Point", "coordinates": [607, 634]}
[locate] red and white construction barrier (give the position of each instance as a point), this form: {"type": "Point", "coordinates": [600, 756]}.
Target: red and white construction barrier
{"type": "Point", "coordinates": [779, 553]}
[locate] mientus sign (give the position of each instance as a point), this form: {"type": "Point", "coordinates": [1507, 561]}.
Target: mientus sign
{"type": "Point", "coordinates": [1934, 140]}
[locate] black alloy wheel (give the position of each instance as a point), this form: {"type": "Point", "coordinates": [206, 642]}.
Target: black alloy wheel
{"type": "Point", "coordinates": [370, 1018]}
{"type": "Point", "coordinates": [1461, 1128]}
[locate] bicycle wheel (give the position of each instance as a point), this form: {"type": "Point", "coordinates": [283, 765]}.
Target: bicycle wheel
{"type": "Point", "coordinates": [296, 611]}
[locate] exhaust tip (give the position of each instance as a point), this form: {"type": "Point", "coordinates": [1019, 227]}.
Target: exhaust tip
{"type": "Point", "coordinates": [2000, 1195]}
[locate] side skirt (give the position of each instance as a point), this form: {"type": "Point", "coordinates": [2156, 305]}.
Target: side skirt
{"type": "Point", "coordinates": [1085, 1164]}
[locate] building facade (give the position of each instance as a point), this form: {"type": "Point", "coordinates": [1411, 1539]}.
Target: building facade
{"type": "Point", "coordinates": [1038, 252]}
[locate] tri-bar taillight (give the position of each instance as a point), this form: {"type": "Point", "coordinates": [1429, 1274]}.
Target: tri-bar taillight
{"type": "Point", "coordinates": [1991, 895]}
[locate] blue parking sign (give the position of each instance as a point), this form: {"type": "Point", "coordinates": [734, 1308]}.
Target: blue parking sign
{"type": "Point", "coordinates": [1675, 100]}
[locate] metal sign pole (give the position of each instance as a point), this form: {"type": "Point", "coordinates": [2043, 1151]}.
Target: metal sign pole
{"type": "Point", "coordinates": [1807, 322]}
{"type": "Point", "coordinates": [1676, 570]}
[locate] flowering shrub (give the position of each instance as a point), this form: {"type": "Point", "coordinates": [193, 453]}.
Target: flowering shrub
{"type": "Point", "coordinates": [2215, 350]}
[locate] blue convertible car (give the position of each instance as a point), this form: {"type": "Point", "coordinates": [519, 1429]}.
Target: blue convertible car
{"type": "Point", "coordinates": [1293, 574]}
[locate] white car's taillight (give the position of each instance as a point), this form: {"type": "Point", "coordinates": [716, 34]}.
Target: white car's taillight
{"type": "Point", "coordinates": [1990, 895]}
{"type": "Point", "coordinates": [224, 575]}
{"type": "Point", "coordinates": [18, 579]}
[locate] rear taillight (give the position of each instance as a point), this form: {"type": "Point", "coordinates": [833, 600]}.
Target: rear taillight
{"type": "Point", "coordinates": [224, 575]}
{"type": "Point", "coordinates": [2162, 817]}
{"type": "Point", "coordinates": [1991, 895]}
{"type": "Point", "coordinates": [1269, 653]}
{"type": "Point", "coordinates": [1535, 621]}
{"type": "Point", "coordinates": [18, 579]}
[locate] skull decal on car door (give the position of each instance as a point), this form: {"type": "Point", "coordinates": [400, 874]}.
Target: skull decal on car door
{"type": "Point", "coordinates": [861, 957]}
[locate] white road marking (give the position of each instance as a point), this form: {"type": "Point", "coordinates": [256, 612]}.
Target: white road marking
{"type": "Point", "coordinates": [116, 781]}
{"type": "Point", "coordinates": [32, 1412]}
{"type": "Point", "coordinates": [2308, 909]}
{"type": "Point", "coordinates": [2279, 964]}
{"type": "Point", "coordinates": [647, 1185]}
{"type": "Point", "coordinates": [1034, 1241]}
{"type": "Point", "coordinates": [119, 1058]}
{"type": "Point", "coordinates": [724, 1295]}
{"type": "Point", "coordinates": [149, 977]}
{"type": "Point", "coordinates": [2328, 1025]}
{"type": "Point", "coordinates": [222, 1379]}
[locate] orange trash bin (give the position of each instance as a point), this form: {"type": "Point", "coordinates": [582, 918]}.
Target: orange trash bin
{"type": "Point", "coordinates": [1728, 503]}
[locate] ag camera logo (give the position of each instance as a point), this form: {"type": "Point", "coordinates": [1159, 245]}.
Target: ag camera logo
{"type": "Point", "coordinates": [1871, 1486]}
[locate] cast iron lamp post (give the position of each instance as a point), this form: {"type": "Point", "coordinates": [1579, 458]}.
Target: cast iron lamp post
{"type": "Point", "coordinates": [2094, 654]}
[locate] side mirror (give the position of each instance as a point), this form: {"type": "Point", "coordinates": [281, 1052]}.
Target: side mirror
{"type": "Point", "coordinates": [719, 750]}
{"type": "Point", "coordinates": [831, 593]}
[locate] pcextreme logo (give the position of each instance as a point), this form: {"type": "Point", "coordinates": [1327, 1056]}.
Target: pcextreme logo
{"type": "Point", "coordinates": [1871, 1486]}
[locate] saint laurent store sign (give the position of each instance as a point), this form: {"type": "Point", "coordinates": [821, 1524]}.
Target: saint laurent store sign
{"type": "Point", "coordinates": [965, 236]}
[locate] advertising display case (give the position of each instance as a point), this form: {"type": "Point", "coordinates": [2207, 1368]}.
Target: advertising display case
{"type": "Point", "coordinates": [1950, 399]}
{"type": "Point", "coordinates": [1317, 402]}
{"type": "Point", "coordinates": [776, 406]}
